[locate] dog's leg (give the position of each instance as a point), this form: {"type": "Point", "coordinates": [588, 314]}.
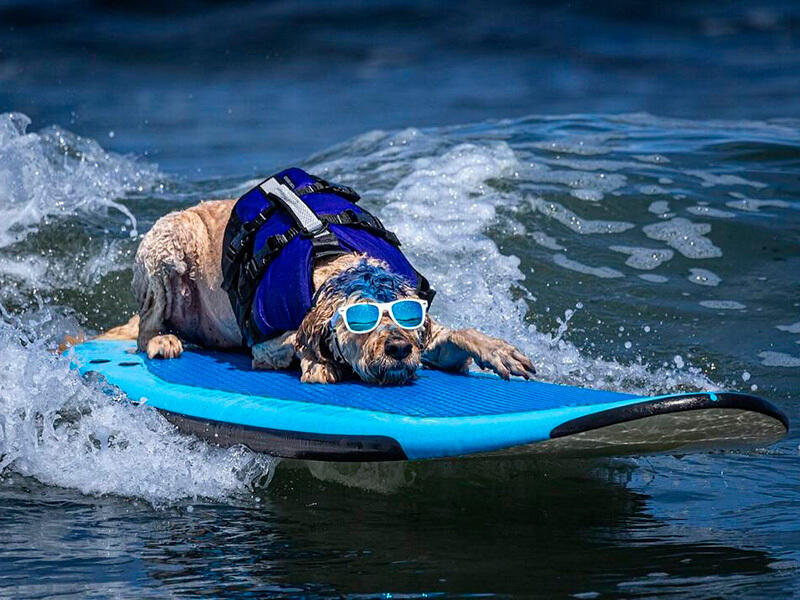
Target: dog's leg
{"type": "Point", "coordinates": [129, 331]}
{"type": "Point", "coordinates": [452, 350]}
{"type": "Point", "coordinates": [313, 370]}
{"type": "Point", "coordinates": [162, 262]}
{"type": "Point", "coordinates": [151, 338]}
{"type": "Point", "coordinates": [277, 353]}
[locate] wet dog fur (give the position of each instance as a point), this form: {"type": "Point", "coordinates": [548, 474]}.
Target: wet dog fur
{"type": "Point", "coordinates": [177, 282]}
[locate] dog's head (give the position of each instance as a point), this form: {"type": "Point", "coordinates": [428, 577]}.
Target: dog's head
{"type": "Point", "coordinates": [387, 355]}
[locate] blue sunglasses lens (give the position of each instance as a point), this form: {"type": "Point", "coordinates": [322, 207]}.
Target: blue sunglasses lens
{"type": "Point", "coordinates": [362, 317]}
{"type": "Point", "coordinates": [408, 313]}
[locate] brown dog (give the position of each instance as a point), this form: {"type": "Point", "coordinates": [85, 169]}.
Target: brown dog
{"type": "Point", "coordinates": [177, 281]}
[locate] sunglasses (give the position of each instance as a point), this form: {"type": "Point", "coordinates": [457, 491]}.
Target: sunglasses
{"type": "Point", "coordinates": [365, 316]}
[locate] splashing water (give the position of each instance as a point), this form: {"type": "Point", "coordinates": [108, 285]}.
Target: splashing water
{"type": "Point", "coordinates": [55, 173]}
{"type": "Point", "coordinates": [65, 431]}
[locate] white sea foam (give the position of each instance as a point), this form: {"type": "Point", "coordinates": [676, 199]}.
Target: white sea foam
{"type": "Point", "coordinates": [652, 190]}
{"type": "Point", "coordinates": [754, 205]}
{"type": "Point", "coordinates": [708, 179]}
{"type": "Point", "coordinates": [656, 159]}
{"type": "Point", "coordinates": [546, 241]}
{"type": "Point", "coordinates": [708, 211]}
{"type": "Point", "coordinates": [704, 277]}
{"type": "Point", "coordinates": [793, 328]}
{"type": "Point", "coordinates": [573, 265]}
{"type": "Point", "coordinates": [653, 278]}
{"type": "Point", "coordinates": [587, 194]}
{"type": "Point", "coordinates": [576, 223]}
{"type": "Point", "coordinates": [659, 207]}
{"type": "Point", "coordinates": [55, 173]}
{"type": "Point", "coordinates": [779, 359]}
{"type": "Point", "coordinates": [723, 304]}
{"type": "Point", "coordinates": [644, 258]}
{"type": "Point", "coordinates": [577, 178]}
{"type": "Point", "coordinates": [63, 431]}
{"type": "Point", "coordinates": [685, 236]}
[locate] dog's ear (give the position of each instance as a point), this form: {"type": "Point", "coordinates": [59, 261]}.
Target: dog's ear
{"type": "Point", "coordinates": [313, 330]}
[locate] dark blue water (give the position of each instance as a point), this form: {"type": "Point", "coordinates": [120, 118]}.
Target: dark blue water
{"type": "Point", "coordinates": [615, 188]}
{"type": "Point", "coordinates": [230, 88]}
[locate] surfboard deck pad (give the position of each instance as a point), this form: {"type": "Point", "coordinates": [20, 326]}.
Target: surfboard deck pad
{"type": "Point", "coordinates": [220, 398]}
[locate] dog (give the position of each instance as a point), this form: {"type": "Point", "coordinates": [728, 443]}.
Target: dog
{"type": "Point", "coordinates": [177, 281]}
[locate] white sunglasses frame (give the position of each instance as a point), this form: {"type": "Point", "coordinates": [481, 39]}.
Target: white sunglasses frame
{"type": "Point", "coordinates": [384, 307]}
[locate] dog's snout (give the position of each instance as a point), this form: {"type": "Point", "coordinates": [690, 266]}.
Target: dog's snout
{"type": "Point", "coordinates": [397, 348]}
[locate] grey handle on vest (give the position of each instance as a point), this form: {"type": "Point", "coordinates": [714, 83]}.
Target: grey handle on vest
{"type": "Point", "coordinates": [299, 210]}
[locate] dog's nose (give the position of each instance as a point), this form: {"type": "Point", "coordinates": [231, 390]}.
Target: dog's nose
{"type": "Point", "coordinates": [397, 348]}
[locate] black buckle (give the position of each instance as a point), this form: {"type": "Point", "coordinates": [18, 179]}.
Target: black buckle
{"type": "Point", "coordinates": [325, 243]}
{"type": "Point", "coordinates": [252, 268]}
{"type": "Point", "coordinates": [346, 191]}
{"type": "Point", "coordinates": [232, 250]}
{"type": "Point", "coordinates": [275, 242]}
{"type": "Point", "coordinates": [261, 218]}
{"type": "Point", "coordinates": [391, 237]}
{"type": "Point", "coordinates": [316, 232]}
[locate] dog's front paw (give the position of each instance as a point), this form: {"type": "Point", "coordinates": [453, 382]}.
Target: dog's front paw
{"type": "Point", "coordinates": [504, 359]}
{"type": "Point", "coordinates": [320, 373]}
{"type": "Point", "coordinates": [278, 353]}
{"type": "Point", "coordinates": [164, 346]}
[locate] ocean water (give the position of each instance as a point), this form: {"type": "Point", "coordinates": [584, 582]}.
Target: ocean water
{"type": "Point", "coordinates": [615, 190]}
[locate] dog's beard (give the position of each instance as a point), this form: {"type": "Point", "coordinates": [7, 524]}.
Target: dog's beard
{"type": "Point", "coordinates": [368, 361]}
{"type": "Point", "coordinates": [389, 372]}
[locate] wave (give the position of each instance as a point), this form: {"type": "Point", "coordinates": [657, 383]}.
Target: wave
{"type": "Point", "coordinates": [66, 431]}
{"type": "Point", "coordinates": [55, 173]}
{"type": "Point", "coordinates": [480, 210]}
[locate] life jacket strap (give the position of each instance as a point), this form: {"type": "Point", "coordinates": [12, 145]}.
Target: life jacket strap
{"type": "Point", "coordinates": [321, 186]}
{"type": "Point", "coordinates": [275, 193]}
{"type": "Point", "coordinates": [234, 249]}
{"type": "Point", "coordinates": [364, 220]}
{"type": "Point", "coordinates": [324, 244]}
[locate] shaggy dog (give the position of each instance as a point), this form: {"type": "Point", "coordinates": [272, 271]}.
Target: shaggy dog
{"type": "Point", "coordinates": [177, 281]}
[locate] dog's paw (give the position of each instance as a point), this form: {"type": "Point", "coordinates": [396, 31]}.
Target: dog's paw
{"type": "Point", "coordinates": [164, 346]}
{"type": "Point", "coordinates": [504, 359]}
{"type": "Point", "coordinates": [320, 373]}
{"type": "Point", "coordinates": [275, 354]}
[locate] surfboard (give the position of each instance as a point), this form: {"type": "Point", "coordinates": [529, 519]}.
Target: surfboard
{"type": "Point", "coordinates": [218, 397]}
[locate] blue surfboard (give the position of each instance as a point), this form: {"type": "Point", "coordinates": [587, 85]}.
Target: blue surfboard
{"type": "Point", "coordinates": [218, 397]}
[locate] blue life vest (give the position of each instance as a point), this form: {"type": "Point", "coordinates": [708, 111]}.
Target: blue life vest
{"type": "Point", "coordinates": [269, 252]}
